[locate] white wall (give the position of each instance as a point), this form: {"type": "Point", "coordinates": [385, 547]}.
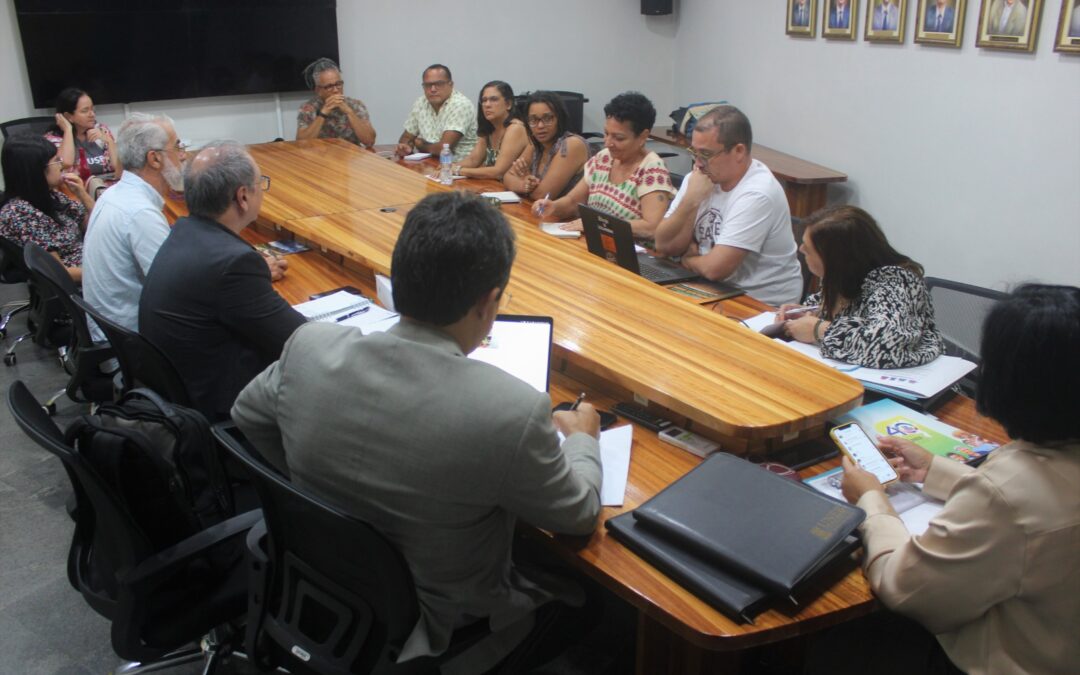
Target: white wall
{"type": "Point", "coordinates": [384, 47]}
{"type": "Point", "coordinates": [969, 158]}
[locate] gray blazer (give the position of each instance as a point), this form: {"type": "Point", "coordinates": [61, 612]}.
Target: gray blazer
{"type": "Point", "coordinates": [439, 452]}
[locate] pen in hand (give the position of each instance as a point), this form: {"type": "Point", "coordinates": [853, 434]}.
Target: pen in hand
{"type": "Point", "coordinates": [577, 402]}
{"type": "Point", "coordinates": [543, 203]}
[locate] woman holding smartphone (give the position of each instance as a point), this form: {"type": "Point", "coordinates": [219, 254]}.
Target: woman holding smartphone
{"type": "Point", "coordinates": [996, 576]}
{"type": "Point", "coordinates": [873, 309]}
{"type": "Point", "coordinates": [86, 146]}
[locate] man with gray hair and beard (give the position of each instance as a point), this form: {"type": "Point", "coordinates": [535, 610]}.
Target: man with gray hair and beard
{"type": "Point", "coordinates": [208, 301]}
{"type": "Point", "coordinates": [127, 225]}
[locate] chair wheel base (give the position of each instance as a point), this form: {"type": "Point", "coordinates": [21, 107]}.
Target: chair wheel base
{"type": "Point", "coordinates": [9, 359]}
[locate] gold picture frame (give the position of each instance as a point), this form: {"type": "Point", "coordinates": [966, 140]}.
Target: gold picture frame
{"type": "Point", "coordinates": [1067, 38]}
{"type": "Point", "coordinates": [839, 18]}
{"type": "Point", "coordinates": [940, 22]}
{"type": "Point", "coordinates": [1008, 24]}
{"type": "Point", "coordinates": [885, 21]}
{"type": "Point", "coordinates": [802, 18]}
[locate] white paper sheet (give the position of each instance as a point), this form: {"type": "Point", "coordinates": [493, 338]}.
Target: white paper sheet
{"type": "Point", "coordinates": [615, 458]}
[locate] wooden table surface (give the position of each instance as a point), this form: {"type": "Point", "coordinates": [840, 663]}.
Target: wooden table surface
{"type": "Point", "coordinates": [610, 325]}
{"type": "Point", "coordinates": [621, 328]}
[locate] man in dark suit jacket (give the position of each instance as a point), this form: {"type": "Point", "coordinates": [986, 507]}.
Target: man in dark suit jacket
{"type": "Point", "coordinates": [208, 302]}
{"type": "Point", "coordinates": [939, 18]}
{"type": "Point", "coordinates": [839, 14]}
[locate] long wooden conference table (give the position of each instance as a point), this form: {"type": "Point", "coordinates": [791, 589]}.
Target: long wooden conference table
{"type": "Point", "coordinates": [617, 336]}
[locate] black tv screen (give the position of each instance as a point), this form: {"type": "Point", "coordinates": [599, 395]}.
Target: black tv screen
{"type": "Point", "coordinates": [122, 51]}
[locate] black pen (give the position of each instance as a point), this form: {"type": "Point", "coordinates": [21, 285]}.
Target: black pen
{"type": "Point", "coordinates": [580, 398]}
{"type": "Point", "coordinates": [352, 314]}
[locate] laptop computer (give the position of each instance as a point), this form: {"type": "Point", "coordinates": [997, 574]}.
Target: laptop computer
{"type": "Point", "coordinates": [520, 345]}
{"type": "Point", "coordinates": [612, 238]}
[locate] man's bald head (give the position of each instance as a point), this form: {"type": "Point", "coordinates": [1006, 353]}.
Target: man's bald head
{"type": "Point", "coordinates": [212, 177]}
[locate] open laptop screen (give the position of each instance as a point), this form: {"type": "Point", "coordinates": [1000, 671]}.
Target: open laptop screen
{"type": "Point", "coordinates": [520, 345]}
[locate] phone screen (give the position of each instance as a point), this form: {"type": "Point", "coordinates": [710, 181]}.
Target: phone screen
{"type": "Point", "coordinates": [854, 441]}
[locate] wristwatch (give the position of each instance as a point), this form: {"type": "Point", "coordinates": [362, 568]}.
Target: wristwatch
{"type": "Point", "coordinates": [320, 113]}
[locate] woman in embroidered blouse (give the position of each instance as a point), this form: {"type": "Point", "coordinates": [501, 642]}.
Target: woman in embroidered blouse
{"type": "Point", "coordinates": [77, 129]}
{"type": "Point", "coordinates": [501, 135]}
{"type": "Point", "coordinates": [623, 179]}
{"type": "Point", "coordinates": [552, 161]}
{"type": "Point", "coordinates": [34, 209]}
{"type": "Point", "coordinates": [875, 310]}
{"type": "Point", "coordinates": [994, 578]}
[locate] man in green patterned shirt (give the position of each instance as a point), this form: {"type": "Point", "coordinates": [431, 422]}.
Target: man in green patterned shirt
{"type": "Point", "coordinates": [441, 115]}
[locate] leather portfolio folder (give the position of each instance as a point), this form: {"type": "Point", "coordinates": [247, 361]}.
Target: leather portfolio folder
{"type": "Point", "coordinates": [765, 529]}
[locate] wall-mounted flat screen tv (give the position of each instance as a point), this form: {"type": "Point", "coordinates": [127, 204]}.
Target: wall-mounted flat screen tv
{"type": "Point", "coordinates": [122, 51]}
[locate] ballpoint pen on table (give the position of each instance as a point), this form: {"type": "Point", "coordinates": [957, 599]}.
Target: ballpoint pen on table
{"type": "Point", "coordinates": [352, 314]}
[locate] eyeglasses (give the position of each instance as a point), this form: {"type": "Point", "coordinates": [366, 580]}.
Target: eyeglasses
{"type": "Point", "coordinates": [264, 183]}
{"type": "Point", "coordinates": [705, 156]}
{"type": "Point", "coordinates": [54, 161]}
{"type": "Point", "coordinates": [436, 84]}
{"type": "Point", "coordinates": [340, 84]}
{"type": "Point", "coordinates": [543, 120]}
{"type": "Point", "coordinates": [179, 146]}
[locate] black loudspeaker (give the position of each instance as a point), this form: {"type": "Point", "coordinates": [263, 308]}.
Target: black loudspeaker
{"type": "Point", "coordinates": [656, 7]}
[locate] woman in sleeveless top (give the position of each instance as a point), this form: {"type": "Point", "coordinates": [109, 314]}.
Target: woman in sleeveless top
{"type": "Point", "coordinates": [624, 179]}
{"type": "Point", "coordinates": [552, 163]}
{"type": "Point", "coordinates": [86, 146]}
{"type": "Point", "coordinates": [501, 134]}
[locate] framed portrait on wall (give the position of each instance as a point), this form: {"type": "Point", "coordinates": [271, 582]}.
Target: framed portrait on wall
{"type": "Point", "coordinates": [1067, 39]}
{"type": "Point", "coordinates": [839, 18]}
{"type": "Point", "coordinates": [885, 20]}
{"type": "Point", "coordinates": [940, 22]}
{"type": "Point", "coordinates": [802, 18]}
{"type": "Point", "coordinates": [1008, 24]}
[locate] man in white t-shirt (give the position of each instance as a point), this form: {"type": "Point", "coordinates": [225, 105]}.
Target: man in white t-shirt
{"type": "Point", "coordinates": [730, 220]}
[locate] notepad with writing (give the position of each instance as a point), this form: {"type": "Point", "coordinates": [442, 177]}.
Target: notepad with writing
{"type": "Point", "coordinates": [331, 307]}
{"type": "Point", "coordinates": [765, 529]}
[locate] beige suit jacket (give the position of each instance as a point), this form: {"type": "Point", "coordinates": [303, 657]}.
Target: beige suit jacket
{"type": "Point", "coordinates": [439, 452]}
{"type": "Point", "coordinates": [997, 575]}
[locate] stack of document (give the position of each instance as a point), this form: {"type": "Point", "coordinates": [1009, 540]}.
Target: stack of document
{"type": "Point", "coordinates": [348, 309]}
{"type": "Point", "coordinates": [913, 507]}
{"type": "Point", "coordinates": [911, 384]}
{"type": "Point", "coordinates": [506, 197]}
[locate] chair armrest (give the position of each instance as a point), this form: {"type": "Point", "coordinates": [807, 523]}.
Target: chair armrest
{"type": "Point", "coordinates": [164, 563]}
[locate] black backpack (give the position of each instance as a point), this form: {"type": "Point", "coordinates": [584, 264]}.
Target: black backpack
{"type": "Point", "coordinates": [162, 462]}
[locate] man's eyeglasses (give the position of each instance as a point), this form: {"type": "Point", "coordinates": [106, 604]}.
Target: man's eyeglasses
{"type": "Point", "coordinates": [340, 84]}
{"type": "Point", "coordinates": [180, 146]}
{"type": "Point", "coordinates": [543, 120]}
{"type": "Point", "coordinates": [264, 183]}
{"type": "Point", "coordinates": [705, 156]}
{"type": "Point", "coordinates": [436, 84]}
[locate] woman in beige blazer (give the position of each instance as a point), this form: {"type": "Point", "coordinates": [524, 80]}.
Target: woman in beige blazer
{"type": "Point", "coordinates": [996, 577]}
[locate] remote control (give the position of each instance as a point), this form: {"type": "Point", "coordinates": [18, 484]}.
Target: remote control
{"type": "Point", "coordinates": [641, 415]}
{"type": "Point", "coordinates": [689, 441]}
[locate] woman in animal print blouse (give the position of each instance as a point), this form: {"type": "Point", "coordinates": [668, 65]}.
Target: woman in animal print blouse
{"type": "Point", "coordinates": [874, 308]}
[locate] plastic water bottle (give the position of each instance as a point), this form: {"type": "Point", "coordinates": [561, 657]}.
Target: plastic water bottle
{"type": "Point", "coordinates": [446, 158]}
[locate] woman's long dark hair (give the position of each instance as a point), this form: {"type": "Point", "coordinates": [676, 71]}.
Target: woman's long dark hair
{"type": "Point", "coordinates": [484, 127]}
{"type": "Point", "coordinates": [25, 158]}
{"type": "Point", "coordinates": [562, 117]}
{"type": "Point", "coordinates": [66, 102]}
{"type": "Point", "coordinates": [851, 245]}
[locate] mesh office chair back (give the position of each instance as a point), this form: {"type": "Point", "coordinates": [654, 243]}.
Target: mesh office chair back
{"type": "Point", "coordinates": [959, 310]}
{"type": "Point", "coordinates": [27, 125]}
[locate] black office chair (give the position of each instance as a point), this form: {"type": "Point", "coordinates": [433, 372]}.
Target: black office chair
{"type": "Point", "coordinates": [47, 323]}
{"type": "Point", "coordinates": [12, 271]}
{"type": "Point", "coordinates": [142, 364]}
{"type": "Point", "coordinates": [83, 357]}
{"type": "Point", "coordinates": [158, 601]}
{"type": "Point", "coordinates": [324, 585]}
{"type": "Point", "coordinates": [959, 311]}
{"type": "Point", "coordinates": [27, 125]}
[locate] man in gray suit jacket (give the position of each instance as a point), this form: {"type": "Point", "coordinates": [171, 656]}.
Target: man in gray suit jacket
{"type": "Point", "coordinates": [439, 452]}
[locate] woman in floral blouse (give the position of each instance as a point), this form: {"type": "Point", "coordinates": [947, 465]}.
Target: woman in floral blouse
{"type": "Point", "coordinates": [34, 209]}
{"type": "Point", "coordinates": [874, 310]}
